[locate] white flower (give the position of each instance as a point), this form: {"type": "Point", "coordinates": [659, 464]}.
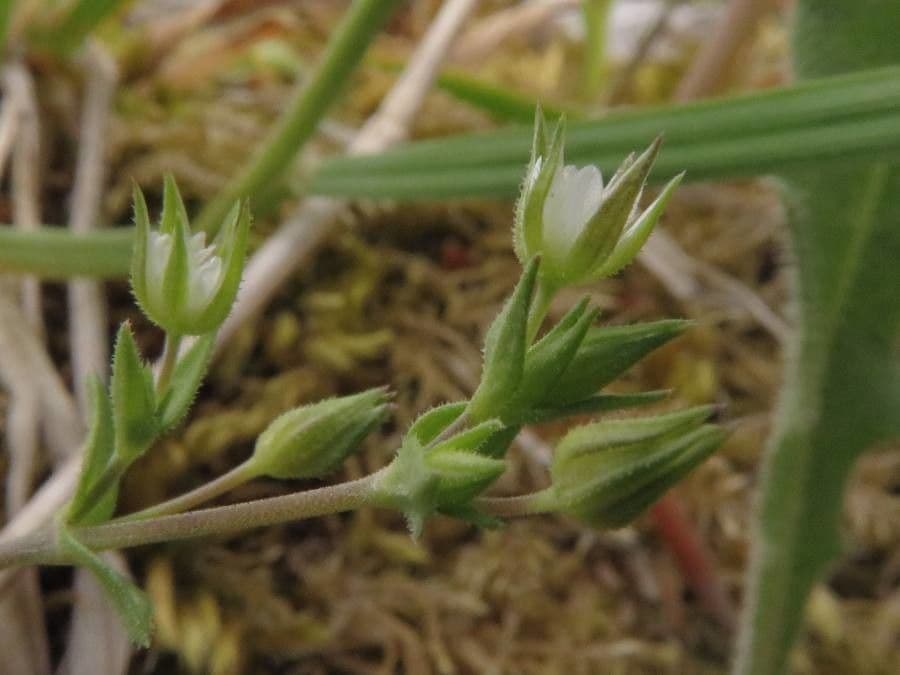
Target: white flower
{"type": "Point", "coordinates": [193, 297]}
{"type": "Point", "coordinates": [574, 197]}
{"type": "Point", "coordinates": [582, 229]}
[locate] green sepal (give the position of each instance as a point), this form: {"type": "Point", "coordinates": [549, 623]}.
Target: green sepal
{"type": "Point", "coordinates": [186, 379]}
{"type": "Point", "coordinates": [504, 351]}
{"type": "Point", "coordinates": [470, 514]}
{"type": "Point", "coordinates": [133, 399]}
{"type": "Point", "coordinates": [431, 423]}
{"type": "Point", "coordinates": [546, 159]}
{"type": "Point", "coordinates": [497, 444]}
{"type": "Point", "coordinates": [469, 440]}
{"type": "Point", "coordinates": [593, 404]}
{"type": "Point", "coordinates": [462, 474]}
{"type": "Point", "coordinates": [609, 434]}
{"type": "Point", "coordinates": [606, 473]}
{"type": "Point", "coordinates": [98, 451]}
{"type": "Point", "coordinates": [601, 233]}
{"type": "Point", "coordinates": [634, 238]}
{"type": "Point", "coordinates": [315, 439]}
{"type": "Point", "coordinates": [176, 274]}
{"type": "Point", "coordinates": [548, 359]}
{"type": "Point", "coordinates": [231, 244]}
{"type": "Point", "coordinates": [131, 604]}
{"type": "Point", "coordinates": [604, 354]}
{"type": "Point", "coordinates": [139, 253]}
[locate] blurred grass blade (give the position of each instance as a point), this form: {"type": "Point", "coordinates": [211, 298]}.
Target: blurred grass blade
{"type": "Point", "coordinates": [343, 53]}
{"type": "Point", "coordinates": [844, 118]}
{"type": "Point", "coordinates": [501, 103]}
{"type": "Point", "coordinates": [840, 395]}
{"type": "Point", "coordinates": [79, 22]}
{"type": "Point", "coordinates": [57, 253]}
{"type": "Point", "coordinates": [6, 10]}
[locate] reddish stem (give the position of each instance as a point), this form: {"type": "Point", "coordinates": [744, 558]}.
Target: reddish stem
{"type": "Point", "coordinates": [694, 558]}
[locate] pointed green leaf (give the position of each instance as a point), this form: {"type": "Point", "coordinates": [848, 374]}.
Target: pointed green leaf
{"type": "Point", "coordinates": [133, 399]}
{"type": "Point", "coordinates": [593, 404]}
{"type": "Point", "coordinates": [129, 601]}
{"type": "Point", "coordinates": [504, 351]}
{"type": "Point", "coordinates": [409, 485]}
{"type": "Point", "coordinates": [547, 360]}
{"type": "Point", "coordinates": [98, 451]}
{"type": "Point", "coordinates": [604, 354]}
{"type": "Point", "coordinates": [186, 380]}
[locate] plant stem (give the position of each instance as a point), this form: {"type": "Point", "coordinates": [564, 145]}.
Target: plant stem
{"type": "Point", "coordinates": [41, 547]}
{"type": "Point", "coordinates": [517, 507]}
{"type": "Point", "coordinates": [342, 54]}
{"type": "Point", "coordinates": [167, 362]}
{"type": "Point", "coordinates": [224, 483]}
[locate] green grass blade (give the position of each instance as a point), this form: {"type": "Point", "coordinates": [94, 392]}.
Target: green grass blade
{"type": "Point", "coordinates": [343, 53]}
{"type": "Point", "coordinates": [80, 21]}
{"type": "Point", "coordinates": [844, 118]}
{"type": "Point", "coordinates": [57, 253]}
{"type": "Point", "coordinates": [842, 387]}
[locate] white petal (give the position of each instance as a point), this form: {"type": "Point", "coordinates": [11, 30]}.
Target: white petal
{"type": "Point", "coordinates": [158, 251]}
{"type": "Point", "coordinates": [203, 284]}
{"type": "Point", "coordinates": [574, 197]}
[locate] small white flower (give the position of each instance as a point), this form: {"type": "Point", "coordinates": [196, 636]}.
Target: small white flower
{"type": "Point", "coordinates": [574, 197]}
{"type": "Point", "coordinates": [191, 298]}
{"type": "Point", "coordinates": [582, 229]}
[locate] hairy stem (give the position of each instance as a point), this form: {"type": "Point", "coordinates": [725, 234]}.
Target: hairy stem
{"type": "Point", "coordinates": [41, 547]}
{"type": "Point", "coordinates": [517, 507]}
{"type": "Point", "coordinates": [224, 483]}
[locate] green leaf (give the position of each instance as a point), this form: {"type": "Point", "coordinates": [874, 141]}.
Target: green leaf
{"type": "Point", "coordinates": [840, 394]}
{"type": "Point", "coordinates": [58, 253]}
{"type": "Point", "coordinates": [594, 404]}
{"type": "Point", "coordinates": [604, 354]}
{"type": "Point", "coordinates": [842, 119]}
{"type": "Point", "coordinates": [548, 359]}
{"type": "Point", "coordinates": [504, 351]}
{"type": "Point", "coordinates": [409, 485]}
{"type": "Point", "coordinates": [133, 399]}
{"type": "Point", "coordinates": [500, 102]}
{"type": "Point", "coordinates": [186, 380]}
{"type": "Point", "coordinates": [129, 601]}
{"type": "Point", "coordinates": [98, 451]}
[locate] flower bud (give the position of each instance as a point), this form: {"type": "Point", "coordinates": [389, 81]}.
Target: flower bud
{"type": "Point", "coordinates": [609, 472]}
{"type": "Point", "coordinates": [582, 229]}
{"type": "Point", "coordinates": [183, 285]}
{"type": "Point", "coordinates": [313, 440]}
